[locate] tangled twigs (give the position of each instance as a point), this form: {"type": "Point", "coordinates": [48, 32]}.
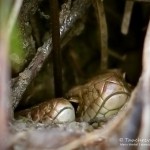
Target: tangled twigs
{"type": "Point", "coordinates": [136, 113]}
{"type": "Point", "coordinates": [67, 21]}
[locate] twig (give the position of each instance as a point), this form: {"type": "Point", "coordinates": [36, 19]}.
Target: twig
{"type": "Point", "coordinates": [127, 16]}
{"type": "Point", "coordinates": [78, 10]}
{"type": "Point", "coordinates": [99, 7]}
{"type": "Point", "coordinates": [116, 55]}
{"type": "Point", "coordinates": [57, 64]}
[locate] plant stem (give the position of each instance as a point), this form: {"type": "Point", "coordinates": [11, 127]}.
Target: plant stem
{"type": "Point", "coordinates": [57, 64]}
{"type": "Point", "coordinates": [101, 18]}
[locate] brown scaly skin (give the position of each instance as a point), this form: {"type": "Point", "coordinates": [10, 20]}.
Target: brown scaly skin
{"type": "Point", "coordinates": [100, 98]}
{"type": "Point", "coordinates": [56, 110]}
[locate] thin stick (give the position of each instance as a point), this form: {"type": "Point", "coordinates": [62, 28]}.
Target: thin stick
{"type": "Point", "coordinates": [127, 17]}
{"type": "Point", "coordinates": [57, 64]}
{"type": "Point", "coordinates": [116, 55]}
{"type": "Point", "coordinates": [99, 7]}
{"type": "Point", "coordinates": [43, 52]}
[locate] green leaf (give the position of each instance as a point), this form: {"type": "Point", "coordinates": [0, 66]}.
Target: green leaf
{"type": "Point", "coordinates": [17, 53]}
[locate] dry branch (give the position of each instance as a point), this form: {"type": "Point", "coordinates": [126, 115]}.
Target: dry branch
{"type": "Point", "coordinates": [57, 61]}
{"type": "Point", "coordinates": [67, 22]}
{"type": "Point", "coordinates": [127, 17]}
{"type": "Point", "coordinates": [103, 33]}
{"type": "Point", "coordinates": [136, 113]}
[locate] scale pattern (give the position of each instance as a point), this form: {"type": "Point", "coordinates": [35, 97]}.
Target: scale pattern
{"type": "Point", "coordinates": [101, 98]}
{"type": "Point", "coordinates": [56, 110]}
